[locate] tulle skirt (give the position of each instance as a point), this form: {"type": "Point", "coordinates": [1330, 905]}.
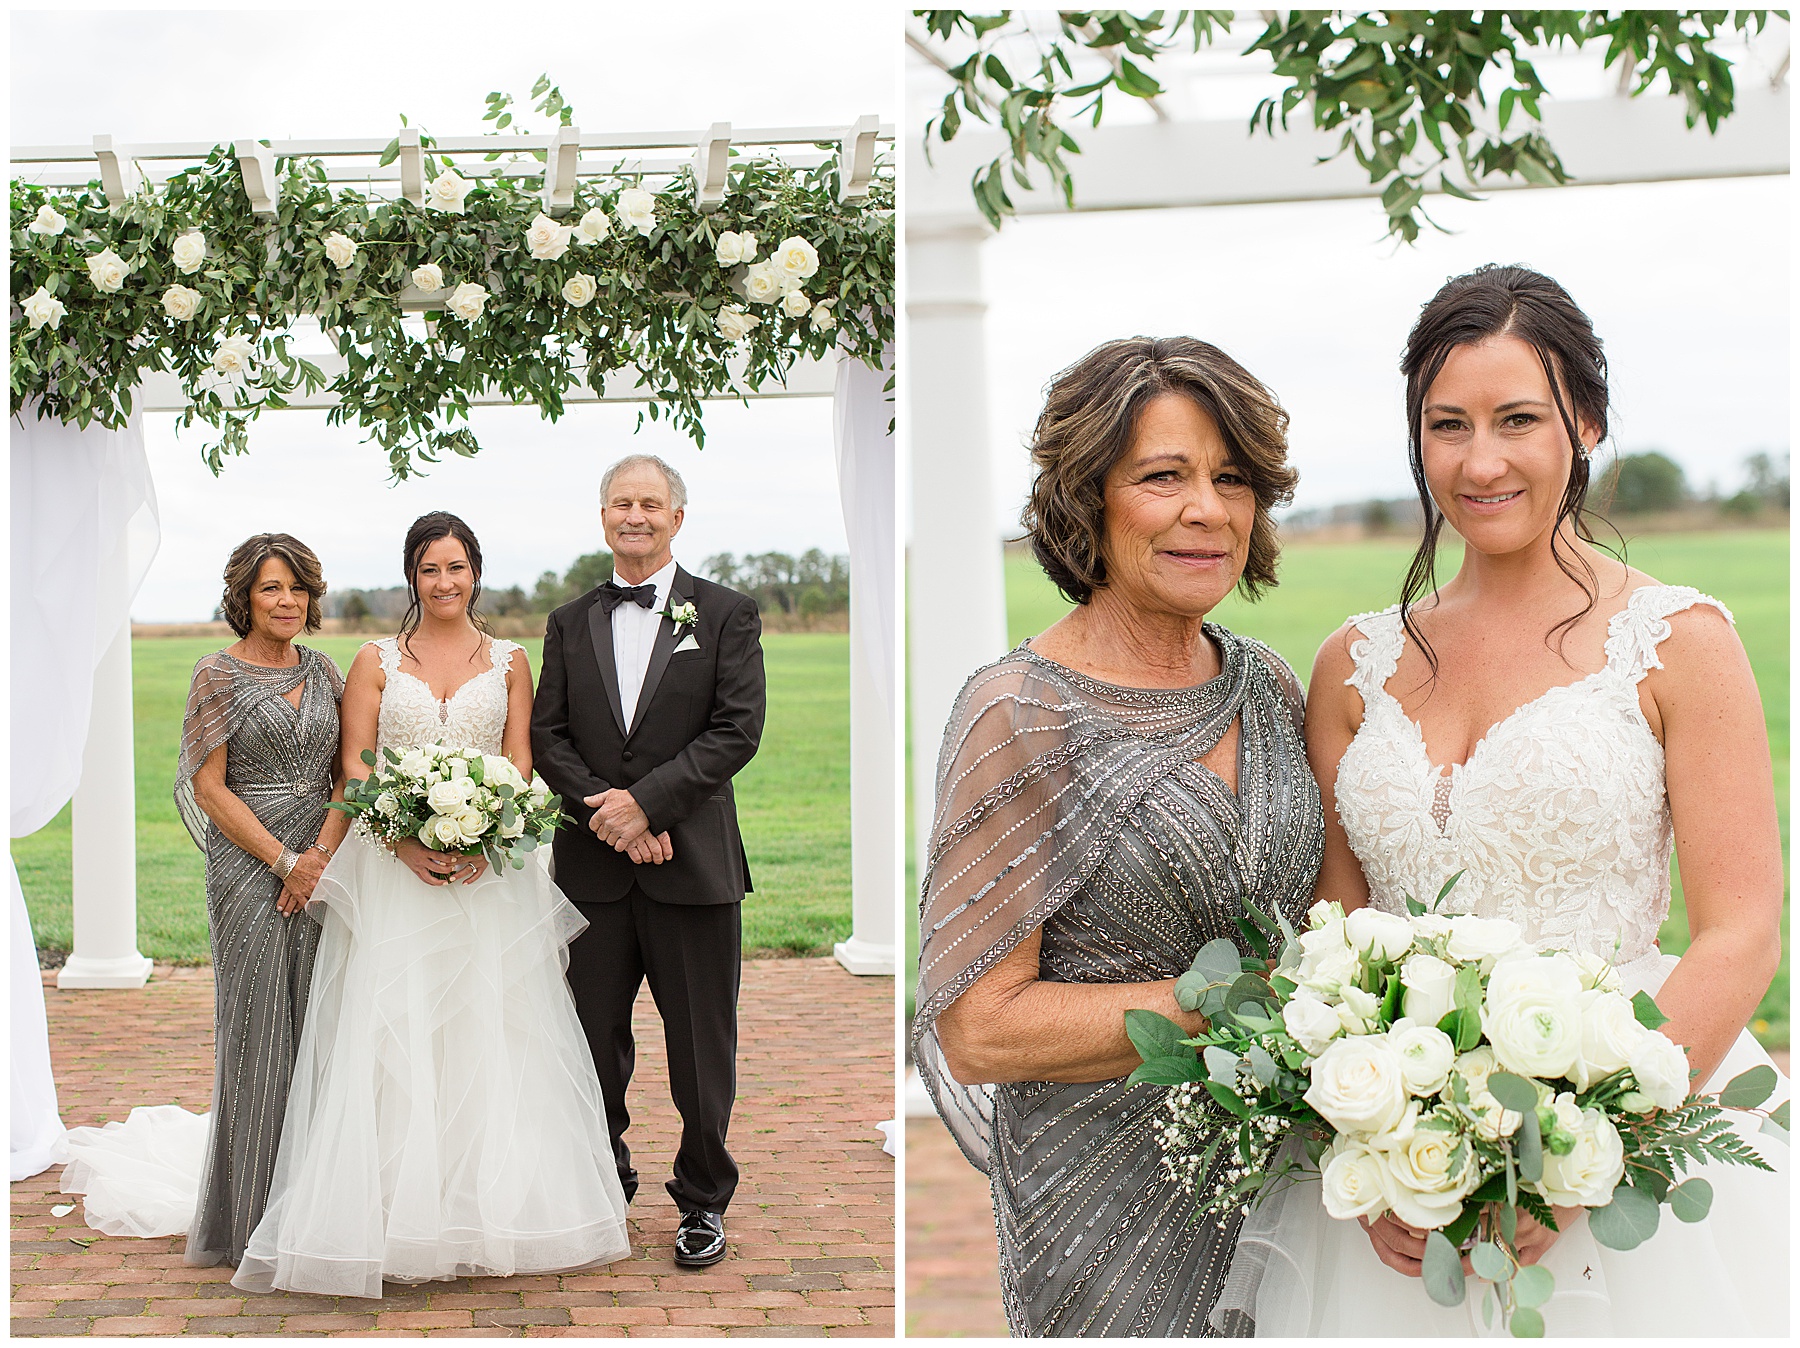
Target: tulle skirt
{"type": "Point", "coordinates": [1302, 1273]}
{"type": "Point", "coordinates": [142, 1176]}
{"type": "Point", "coordinates": [444, 1118]}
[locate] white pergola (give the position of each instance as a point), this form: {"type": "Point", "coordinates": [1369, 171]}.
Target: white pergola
{"type": "Point", "coordinates": [106, 953]}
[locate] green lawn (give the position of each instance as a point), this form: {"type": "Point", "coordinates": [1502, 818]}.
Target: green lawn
{"type": "Point", "coordinates": [1322, 584]}
{"type": "Point", "coordinates": [793, 802]}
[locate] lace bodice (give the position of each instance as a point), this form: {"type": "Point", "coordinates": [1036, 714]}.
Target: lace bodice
{"type": "Point", "coordinates": [474, 715]}
{"type": "Point", "coordinates": [1560, 816]}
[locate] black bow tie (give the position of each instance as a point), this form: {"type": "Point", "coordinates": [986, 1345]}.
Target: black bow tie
{"type": "Point", "coordinates": [612, 595]}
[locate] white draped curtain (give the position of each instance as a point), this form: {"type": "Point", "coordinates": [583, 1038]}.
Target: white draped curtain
{"type": "Point", "coordinates": [84, 529]}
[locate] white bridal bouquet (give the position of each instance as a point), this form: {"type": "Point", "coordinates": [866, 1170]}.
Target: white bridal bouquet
{"type": "Point", "coordinates": [1438, 1068]}
{"type": "Point", "coordinates": [453, 800]}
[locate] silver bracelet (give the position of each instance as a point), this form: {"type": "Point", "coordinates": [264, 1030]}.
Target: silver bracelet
{"type": "Point", "coordinates": [321, 847]}
{"type": "Point", "coordinates": [284, 864]}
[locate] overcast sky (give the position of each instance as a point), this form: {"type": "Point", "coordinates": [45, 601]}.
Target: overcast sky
{"type": "Point", "coordinates": [766, 479]}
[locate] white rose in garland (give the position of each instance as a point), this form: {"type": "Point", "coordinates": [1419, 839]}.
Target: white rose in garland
{"type": "Point", "coordinates": [468, 300]}
{"type": "Point", "coordinates": [579, 289]}
{"type": "Point", "coordinates": [823, 320]}
{"type": "Point", "coordinates": [734, 248]}
{"type": "Point", "coordinates": [547, 239]}
{"type": "Point", "coordinates": [446, 192]}
{"type": "Point", "coordinates": [189, 252]}
{"type": "Point", "coordinates": [340, 249]}
{"type": "Point", "coordinates": [594, 226]}
{"type": "Point", "coordinates": [47, 221]}
{"type": "Point", "coordinates": [795, 304]}
{"type": "Point", "coordinates": [428, 277]}
{"type": "Point", "coordinates": [42, 307]}
{"type": "Point", "coordinates": [797, 258]}
{"type": "Point", "coordinates": [233, 355]}
{"type": "Point", "coordinates": [106, 269]}
{"type": "Point", "coordinates": [180, 303]}
{"type": "Point", "coordinates": [762, 283]}
{"type": "Point", "coordinates": [735, 324]}
{"type": "Point", "coordinates": [636, 209]}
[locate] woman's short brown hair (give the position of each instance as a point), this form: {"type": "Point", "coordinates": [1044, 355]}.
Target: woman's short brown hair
{"type": "Point", "coordinates": [1091, 411]}
{"type": "Point", "coordinates": [246, 563]}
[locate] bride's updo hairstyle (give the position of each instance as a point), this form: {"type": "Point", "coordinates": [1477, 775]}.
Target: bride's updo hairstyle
{"type": "Point", "coordinates": [1507, 301]}
{"type": "Point", "coordinates": [425, 531]}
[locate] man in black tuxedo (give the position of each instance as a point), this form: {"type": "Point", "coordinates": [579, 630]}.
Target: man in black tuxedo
{"type": "Point", "coordinates": [650, 699]}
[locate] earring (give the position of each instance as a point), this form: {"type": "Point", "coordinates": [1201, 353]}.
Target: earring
{"type": "Point", "coordinates": [1583, 450]}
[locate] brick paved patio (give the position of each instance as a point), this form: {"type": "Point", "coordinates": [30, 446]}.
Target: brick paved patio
{"type": "Point", "coordinates": [812, 1225]}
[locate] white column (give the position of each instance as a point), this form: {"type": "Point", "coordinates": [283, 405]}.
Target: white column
{"type": "Point", "coordinates": [955, 586]}
{"type": "Point", "coordinates": [104, 841]}
{"type": "Point", "coordinates": [870, 949]}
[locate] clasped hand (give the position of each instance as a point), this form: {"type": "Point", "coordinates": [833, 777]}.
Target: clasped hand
{"type": "Point", "coordinates": [438, 868]}
{"type": "Point", "coordinates": [298, 886]}
{"type": "Point", "coordinates": [1402, 1248]}
{"type": "Point", "coordinates": [621, 823]}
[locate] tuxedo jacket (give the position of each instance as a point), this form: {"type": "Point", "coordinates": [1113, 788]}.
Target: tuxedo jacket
{"type": "Point", "coordinates": [698, 721]}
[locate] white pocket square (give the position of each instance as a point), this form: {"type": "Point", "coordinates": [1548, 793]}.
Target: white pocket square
{"type": "Point", "coordinates": [687, 643]}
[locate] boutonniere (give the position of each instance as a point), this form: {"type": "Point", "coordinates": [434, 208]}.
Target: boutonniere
{"type": "Point", "coordinates": [682, 615]}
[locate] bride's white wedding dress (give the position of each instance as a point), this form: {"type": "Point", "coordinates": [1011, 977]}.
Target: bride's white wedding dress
{"type": "Point", "coordinates": [444, 1118]}
{"type": "Point", "coordinates": [1560, 821]}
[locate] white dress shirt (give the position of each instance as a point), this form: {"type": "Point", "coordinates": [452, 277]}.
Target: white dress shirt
{"type": "Point", "coordinates": [634, 633]}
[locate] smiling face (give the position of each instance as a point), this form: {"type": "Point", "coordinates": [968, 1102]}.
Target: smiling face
{"type": "Point", "coordinates": [1497, 456]}
{"type": "Point", "coordinates": [277, 602]}
{"type": "Point", "coordinates": [640, 525]}
{"type": "Point", "coordinates": [444, 578]}
{"type": "Point", "coordinates": [1178, 513]}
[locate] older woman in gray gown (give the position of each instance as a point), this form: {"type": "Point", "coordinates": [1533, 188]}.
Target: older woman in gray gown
{"type": "Point", "coordinates": [1109, 796]}
{"type": "Point", "coordinates": [258, 766]}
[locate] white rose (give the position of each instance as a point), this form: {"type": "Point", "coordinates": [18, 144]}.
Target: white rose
{"type": "Point", "coordinates": [387, 803]}
{"type": "Point", "coordinates": [579, 289]}
{"type": "Point", "coordinates": [468, 300]}
{"type": "Point", "coordinates": [440, 831]}
{"type": "Point", "coordinates": [472, 822]}
{"type": "Point", "coordinates": [1430, 926]}
{"type": "Point", "coordinates": [730, 249]}
{"type": "Point", "coordinates": [747, 244]}
{"type": "Point", "coordinates": [1359, 1011]}
{"type": "Point", "coordinates": [593, 225]}
{"type": "Point", "coordinates": [189, 252]}
{"type": "Point", "coordinates": [823, 320]}
{"type": "Point", "coordinates": [1356, 1182]}
{"type": "Point", "coordinates": [1432, 1171]}
{"type": "Point", "coordinates": [414, 763]}
{"type": "Point", "coordinates": [498, 768]}
{"type": "Point", "coordinates": [445, 798]}
{"type": "Point", "coordinates": [106, 269]}
{"type": "Point", "coordinates": [1430, 989]}
{"type": "Point", "coordinates": [547, 239]}
{"type": "Point", "coordinates": [1661, 1068]}
{"type": "Point", "coordinates": [636, 209]}
{"type": "Point", "coordinates": [1322, 915]}
{"type": "Point", "coordinates": [514, 830]}
{"type": "Point", "coordinates": [762, 283]}
{"type": "Point", "coordinates": [447, 191]}
{"type": "Point", "coordinates": [1593, 1167]}
{"type": "Point", "coordinates": [340, 249]}
{"type": "Point", "coordinates": [1535, 1036]}
{"type": "Point", "coordinates": [180, 303]}
{"type": "Point", "coordinates": [1328, 971]}
{"type": "Point", "coordinates": [459, 770]}
{"type": "Point", "coordinates": [1491, 1121]}
{"type": "Point", "coordinates": [1597, 971]}
{"type": "Point", "coordinates": [1482, 938]}
{"type": "Point", "coordinates": [1378, 935]}
{"type": "Point", "coordinates": [42, 307]}
{"type": "Point", "coordinates": [1357, 1085]}
{"type": "Point", "coordinates": [1609, 1032]}
{"type": "Point", "coordinates": [1312, 1022]}
{"type": "Point", "coordinates": [735, 323]}
{"type": "Point", "coordinates": [1426, 1056]}
{"type": "Point", "coordinates": [233, 355]}
{"type": "Point", "coordinates": [47, 221]}
{"type": "Point", "coordinates": [429, 276]}
{"type": "Point", "coordinates": [795, 304]}
{"type": "Point", "coordinates": [797, 258]}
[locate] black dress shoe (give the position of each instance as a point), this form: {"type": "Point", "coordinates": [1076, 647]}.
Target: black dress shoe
{"type": "Point", "coordinates": [700, 1239]}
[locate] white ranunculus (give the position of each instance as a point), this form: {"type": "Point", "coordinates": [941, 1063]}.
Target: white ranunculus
{"type": "Point", "coordinates": [593, 225]}
{"type": "Point", "coordinates": [1535, 1036]}
{"type": "Point", "coordinates": [189, 252]}
{"type": "Point", "coordinates": [233, 355]}
{"type": "Point", "coordinates": [795, 304]}
{"type": "Point", "coordinates": [762, 283]}
{"type": "Point", "coordinates": [1378, 935]}
{"type": "Point", "coordinates": [1432, 1172]}
{"type": "Point", "coordinates": [468, 300]}
{"type": "Point", "coordinates": [428, 276]}
{"type": "Point", "coordinates": [1593, 1167]}
{"type": "Point", "coordinates": [1426, 1056]}
{"type": "Point", "coordinates": [106, 269]}
{"type": "Point", "coordinates": [1430, 926]}
{"type": "Point", "coordinates": [1609, 1033]}
{"type": "Point", "coordinates": [1328, 971]}
{"type": "Point", "coordinates": [735, 323]}
{"type": "Point", "coordinates": [414, 763]}
{"type": "Point", "coordinates": [1429, 989]}
{"type": "Point", "coordinates": [1596, 971]}
{"type": "Point", "coordinates": [387, 803]}
{"type": "Point", "coordinates": [1355, 1179]}
{"type": "Point", "coordinates": [447, 191]}
{"type": "Point", "coordinates": [1357, 1085]}
{"type": "Point", "coordinates": [1312, 1021]}
{"type": "Point", "coordinates": [47, 221]}
{"type": "Point", "coordinates": [730, 249]}
{"type": "Point", "coordinates": [1482, 938]}
{"type": "Point", "coordinates": [1359, 1011]}
{"type": "Point", "coordinates": [1525, 977]}
{"type": "Point", "coordinates": [579, 289]}
{"type": "Point", "coordinates": [1661, 1068]}
{"type": "Point", "coordinates": [636, 209]}
{"type": "Point", "coordinates": [180, 303]}
{"type": "Point", "coordinates": [1323, 914]}
{"type": "Point", "coordinates": [547, 239]}
{"type": "Point", "coordinates": [340, 249]}
{"type": "Point", "coordinates": [42, 307]}
{"type": "Point", "coordinates": [796, 257]}
{"type": "Point", "coordinates": [1491, 1121]}
{"type": "Point", "coordinates": [823, 319]}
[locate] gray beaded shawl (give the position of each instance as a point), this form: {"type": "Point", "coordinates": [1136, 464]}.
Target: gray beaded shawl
{"type": "Point", "coordinates": [1081, 808]}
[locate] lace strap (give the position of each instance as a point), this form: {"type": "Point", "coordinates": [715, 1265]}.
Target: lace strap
{"type": "Point", "coordinates": [388, 648]}
{"type": "Point", "coordinates": [1635, 631]}
{"type": "Point", "coordinates": [500, 653]}
{"type": "Point", "coordinates": [1376, 654]}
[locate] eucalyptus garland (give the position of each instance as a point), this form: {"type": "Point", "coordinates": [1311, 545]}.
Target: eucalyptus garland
{"type": "Point", "coordinates": [187, 278]}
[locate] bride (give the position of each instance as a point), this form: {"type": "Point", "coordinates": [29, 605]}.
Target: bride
{"type": "Point", "coordinates": [1547, 722]}
{"type": "Point", "coordinates": [445, 1119]}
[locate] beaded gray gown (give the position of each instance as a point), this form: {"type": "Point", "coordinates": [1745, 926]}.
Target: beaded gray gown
{"type": "Point", "coordinates": [1081, 808]}
{"type": "Point", "coordinates": [279, 762]}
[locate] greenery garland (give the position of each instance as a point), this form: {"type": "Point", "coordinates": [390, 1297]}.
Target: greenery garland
{"type": "Point", "coordinates": [187, 278]}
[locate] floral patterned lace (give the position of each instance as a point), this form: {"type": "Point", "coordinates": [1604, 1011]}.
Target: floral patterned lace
{"type": "Point", "coordinates": [474, 715]}
{"type": "Point", "coordinates": [1560, 816]}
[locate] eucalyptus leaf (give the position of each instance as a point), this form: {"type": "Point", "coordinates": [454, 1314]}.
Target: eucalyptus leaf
{"type": "Point", "coordinates": [1749, 1089]}
{"type": "Point", "coordinates": [1533, 1285]}
{"type": "Point", "coordinates": [1626, 1222]}
{"type": "Point", "coordinates": [1262, 1066]}
{"type": "Point", "coordinates": [1218, 961]}
{"type": "Point", "coordinates": [1531, 1148]}
{"type": "Point", "coordinates": [1442, 1271]}
{"type": "Point", "coordinates": [1513, 1092]}
{"type": "Point", "coordinates": [1526, 1323]}
{"type": "Point", "coordinates": [1691, 1200]}
{"type": "Point", "coordinates": [1489, 1261]}
{"type": "Point", "coordinates": [1221, 1065]}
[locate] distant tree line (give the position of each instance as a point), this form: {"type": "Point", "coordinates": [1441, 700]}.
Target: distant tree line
{"type": "Point", "coordinates": [808, 586]}
{"type": "Point", "coordinates": [1650, 481]}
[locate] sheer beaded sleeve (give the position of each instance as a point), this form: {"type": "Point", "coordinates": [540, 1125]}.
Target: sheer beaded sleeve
{"type": "Point", "coordinates": [212, 715]}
